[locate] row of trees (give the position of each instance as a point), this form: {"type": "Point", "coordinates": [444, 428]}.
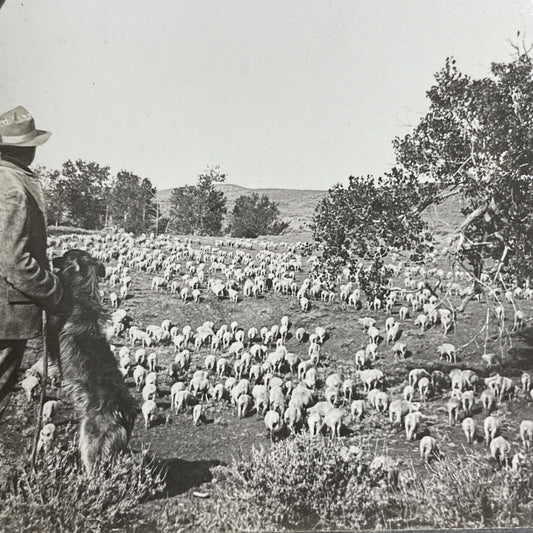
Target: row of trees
{"type": "Point", "coordinates": [475, 144]}
{"type": "Point", "coordinates": [84, 194]}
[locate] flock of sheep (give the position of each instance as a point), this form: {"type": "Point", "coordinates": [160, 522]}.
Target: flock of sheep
{"type": "Point", "coordinates": [253, 370]}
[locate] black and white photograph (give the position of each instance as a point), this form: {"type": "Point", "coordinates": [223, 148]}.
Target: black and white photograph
{"type": "Point", "coordinates": [266, 266]}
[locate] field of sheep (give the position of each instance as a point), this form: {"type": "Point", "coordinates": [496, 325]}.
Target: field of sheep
{"type": "Point", "coordinates": [392, 382]}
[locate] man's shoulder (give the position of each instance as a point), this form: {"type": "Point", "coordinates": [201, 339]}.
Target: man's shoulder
{"type": "Point", "coordinates": [11, 177]}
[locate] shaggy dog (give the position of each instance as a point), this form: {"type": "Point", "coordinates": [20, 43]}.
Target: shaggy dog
{"type": "Point", "coordinates": [91, 375]}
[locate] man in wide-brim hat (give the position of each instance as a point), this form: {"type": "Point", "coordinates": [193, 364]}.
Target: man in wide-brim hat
{"type": "Point", "coordinates": [27, 285]}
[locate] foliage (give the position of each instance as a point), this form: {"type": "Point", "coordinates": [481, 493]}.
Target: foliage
{"type": "Point", "coordinates": [468, 491]}
{"type": "Point", "coordinates": [255, 215]}
{"type": "Point", "coordinates": [79, 194]}
{"type": "Point", "coordinates": [475, 141]}
{"type": "Point", "coordinates": [132, 202]}
{"type": "Point", "coordinates": [304, 483]}
{"type": "Point", "coordinates": [199, 209]}
{"type": "Point", "coordinates": [369, 218]}
{"type": "Point", "coordinates": [54, 205]}
{"type": "Point", "coordinates": [59, 497]}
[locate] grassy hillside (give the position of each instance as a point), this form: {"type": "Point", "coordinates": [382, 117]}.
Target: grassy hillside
{"type": "Point", "coordinates": [297, 207]}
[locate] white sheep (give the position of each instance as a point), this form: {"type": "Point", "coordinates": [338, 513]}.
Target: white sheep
{"type": "Point", "coordinates": [411, 422]}
{"type": "Point", "coordinates": [491, 426]}
{"type": "Point", "coordinates": [333, 420]}
{"type": "Point", "coordinates": [29, 386]}
{"type": "Point", "coordinates": [526, 433]}
{"type": "Point", "coordinates": [273, 423]}
{"type": "Point", "coordinates": [49, 410]}
{"type": "Point", "coordinates": [314, 423]}
{"type": "Point", "coordinates": [469, 429]}
{"type": "Point", "coordinates": [197, 414]}
{"type": "Point", "coordinates": [149, 392]}
{"type": "Point", "coordinates": [500, 449]}
{"type": "Point", "coordinates": [149, 411]}
{"type": "Point", "coordinates": [448, 352]}
{"type": "Point", "coordinates": [428, 448]}
{"type": "Point", "coordinates": [46, 437]}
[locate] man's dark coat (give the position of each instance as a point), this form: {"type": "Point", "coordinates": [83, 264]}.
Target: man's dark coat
{"type": "Point", "coordinates": [26, 283]}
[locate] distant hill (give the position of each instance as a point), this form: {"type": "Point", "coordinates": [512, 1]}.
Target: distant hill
{"type": "Point", "coordinates": [297, 207]}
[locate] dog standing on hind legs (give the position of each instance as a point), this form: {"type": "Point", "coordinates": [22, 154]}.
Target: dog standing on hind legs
{"type": "Point", "coordinates": [91, 374]}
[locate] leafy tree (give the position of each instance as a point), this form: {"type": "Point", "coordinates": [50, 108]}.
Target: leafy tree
{"type": "Point", "coordinates": [132, 202]}
{"type": "Point", "coordinates": [199, 209]}
{"type": "Point", "coordinates": [368, 219]}
{"type": "Point", "coordinates": [255, 215]}
{"type": "Point", "coordinates": [79, 194]}
{"type": "Point", "coordinates": [476, 142]}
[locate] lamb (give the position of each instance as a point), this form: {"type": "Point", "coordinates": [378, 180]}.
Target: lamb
{"type": "Point", "coordinates": [381, 402]}
{"type": "Point", "coordinates": [182, 398]}
{"type": "Point", "coordinates": [300, 335]}
{"type": "Point", "coordinates": [421, 320]}
{"type": "Point", "coordinates": [392, 332]}
{"type": "Point", "coordinates": [424, 388]}
{"type": "Point", "coordinates": [525, 380]}
{"type": "Point", "coordinates": [176, 387]}
{"type": "Point", "coordinates": [408, 393]}
{"type": "Point", "coordinates": [467, 400]}
{"type": "Point", "coordinates": [469, 429]}
{"type": "Point", "coordinates": [400, 349]}
{"type": "Point", "coordinates": [373, 333]}
{"type": "Point", "coordinates": [416, 374]}
{"type": "Point", "coordinates": [304, 304]}
{"type": "Point", "coordinates": [487, 400]}
{"type": "Point", "coordinates": [453, 406]}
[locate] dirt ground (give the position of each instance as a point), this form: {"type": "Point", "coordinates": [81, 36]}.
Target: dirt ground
{"type": "Point", "coordinates": [189, 451]}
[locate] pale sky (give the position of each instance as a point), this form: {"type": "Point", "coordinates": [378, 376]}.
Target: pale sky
{"type": "Point", "coordinates": [297, 94]}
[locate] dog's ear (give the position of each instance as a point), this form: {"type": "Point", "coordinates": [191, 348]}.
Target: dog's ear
{"type": "Point", "coordinates": [57, 263]}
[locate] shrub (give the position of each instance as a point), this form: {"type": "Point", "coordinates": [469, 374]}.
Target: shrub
{"type": "Point", "coordinates": [59, 497]}
{"type": "Point", "coordinates": [302, 483]}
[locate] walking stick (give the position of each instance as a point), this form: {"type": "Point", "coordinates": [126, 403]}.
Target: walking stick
{"type": "Point", "coordinates": [43, 391]}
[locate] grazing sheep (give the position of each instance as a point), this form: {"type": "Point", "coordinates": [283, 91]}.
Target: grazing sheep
{"type": "Point", "coordinates": [404, 313]}
{"type": "Point", "coordinates": [29, 386]}
{"type": "Point", "coordinates": [421, 320]}
{"type": "Point", "coordinates": [506, 388]}
{"type": "Point", "coordinates": [245, 403]}
{"type": "Point", "coordinates": [424, 388]}
{"type": "Point", "coordinates": [438, 380]}
{"type": "Point", "coordinates": [274, 423]}
{"type": "Point", "coordinates": [49, 409]}
{"type": "Point", "coordinates": [428, 448]}
{"type": "Point", "coordinates": [149, 410]}
{"type": "Point", "coordinates": [373, 333]}
{"type": "Point", "coordinates": [304, 304]}
{"type": "Point", "coordinates": [491, 426]}
{"type": "Point", "coordinates": [46, 437]}
{"type": "Point", "coordinates": [371, 378]}
{"type": "Point", "coordinates": [357, 409]}
{"type": "Point", "coordinates": [333, 420]}
{"type": "Point", "coordinates": [526, 433]}
{"type": "Point", "coordinates": [408, 393]}
{"type": "Point", "coordinates": [182, 399]}
{"type": "Point", "coordinates": [367, 322]}
{"type": "Point", "coordinates": [348, 388]}
{"type": "Point", "coordinates": [448, 352]}
{"type": "Point", "coordinates": [314, 423]}
{"type": "Point", "coordinates": [416, 374]}
{"type": "Point", "coordinates": [411, 422]}
{"type": "Point", "coordinates": [139, 373]}
{"type": "Point", "coordinates": [392, 333]}
{"type": "Point", "coordinates": [300, 335]}
{"type": "Point", "coordinates": [469, 429]}
{"type": "Point", "coordinates": [292, 417]}
{"type": "Point", "coordinates": [176, 387]}
{"type": "Point", "coordinates": [500, 449]}
{"type": "Point", "coordinates": [381, 402]}
{"type": "Point", "coordinates": [467, 401]}
{"type": "Point", "coordinates": [197, 414]}
{"type": "Point", "coordinates": [487, 400]}
{"type": "Point", "coordinates": [400, 349]}
{"type": "Point", "coordinates": [149, 392]}
{"type": "Point", "coordinates": [453, 406]}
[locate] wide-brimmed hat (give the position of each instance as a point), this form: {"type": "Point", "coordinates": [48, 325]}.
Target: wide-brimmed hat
{"type": "Point", "coordinates": [17, 128]}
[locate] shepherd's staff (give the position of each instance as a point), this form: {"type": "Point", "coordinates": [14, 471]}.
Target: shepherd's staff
{"type": "Point", "coordinates": [43, 387]}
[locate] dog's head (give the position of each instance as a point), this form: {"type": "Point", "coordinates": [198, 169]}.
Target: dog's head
{"type": "Point", "coordinates": [79, 271]}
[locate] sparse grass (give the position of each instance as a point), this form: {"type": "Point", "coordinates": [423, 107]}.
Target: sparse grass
{"type": "Point", "coordinates": [59, 497]}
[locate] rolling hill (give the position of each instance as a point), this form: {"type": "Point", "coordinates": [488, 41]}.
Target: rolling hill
{"type": "Point", "coordinates": [297, 207]}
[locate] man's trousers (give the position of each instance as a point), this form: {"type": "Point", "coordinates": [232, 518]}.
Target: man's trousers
{"type": "Point", "coordinates": [11, 353]}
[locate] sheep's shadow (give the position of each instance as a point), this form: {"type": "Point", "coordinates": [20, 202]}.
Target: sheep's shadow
{"type": "Point", "coordinates": [183, 475]}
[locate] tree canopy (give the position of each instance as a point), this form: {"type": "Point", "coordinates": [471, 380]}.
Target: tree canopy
{"type": "Point", "coordinates": [199, 209]}
{"type": "Point", "coordinates": [475, 142]}
{"type": "Point", "coordinates": [255, 215]}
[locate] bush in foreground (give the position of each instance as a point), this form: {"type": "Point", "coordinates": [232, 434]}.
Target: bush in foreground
{"type": "Point", "coordinates": [59, 497]}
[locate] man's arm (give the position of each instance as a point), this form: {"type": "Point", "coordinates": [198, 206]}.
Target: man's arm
{"type": "Point", "coordinates": [17, 266]}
